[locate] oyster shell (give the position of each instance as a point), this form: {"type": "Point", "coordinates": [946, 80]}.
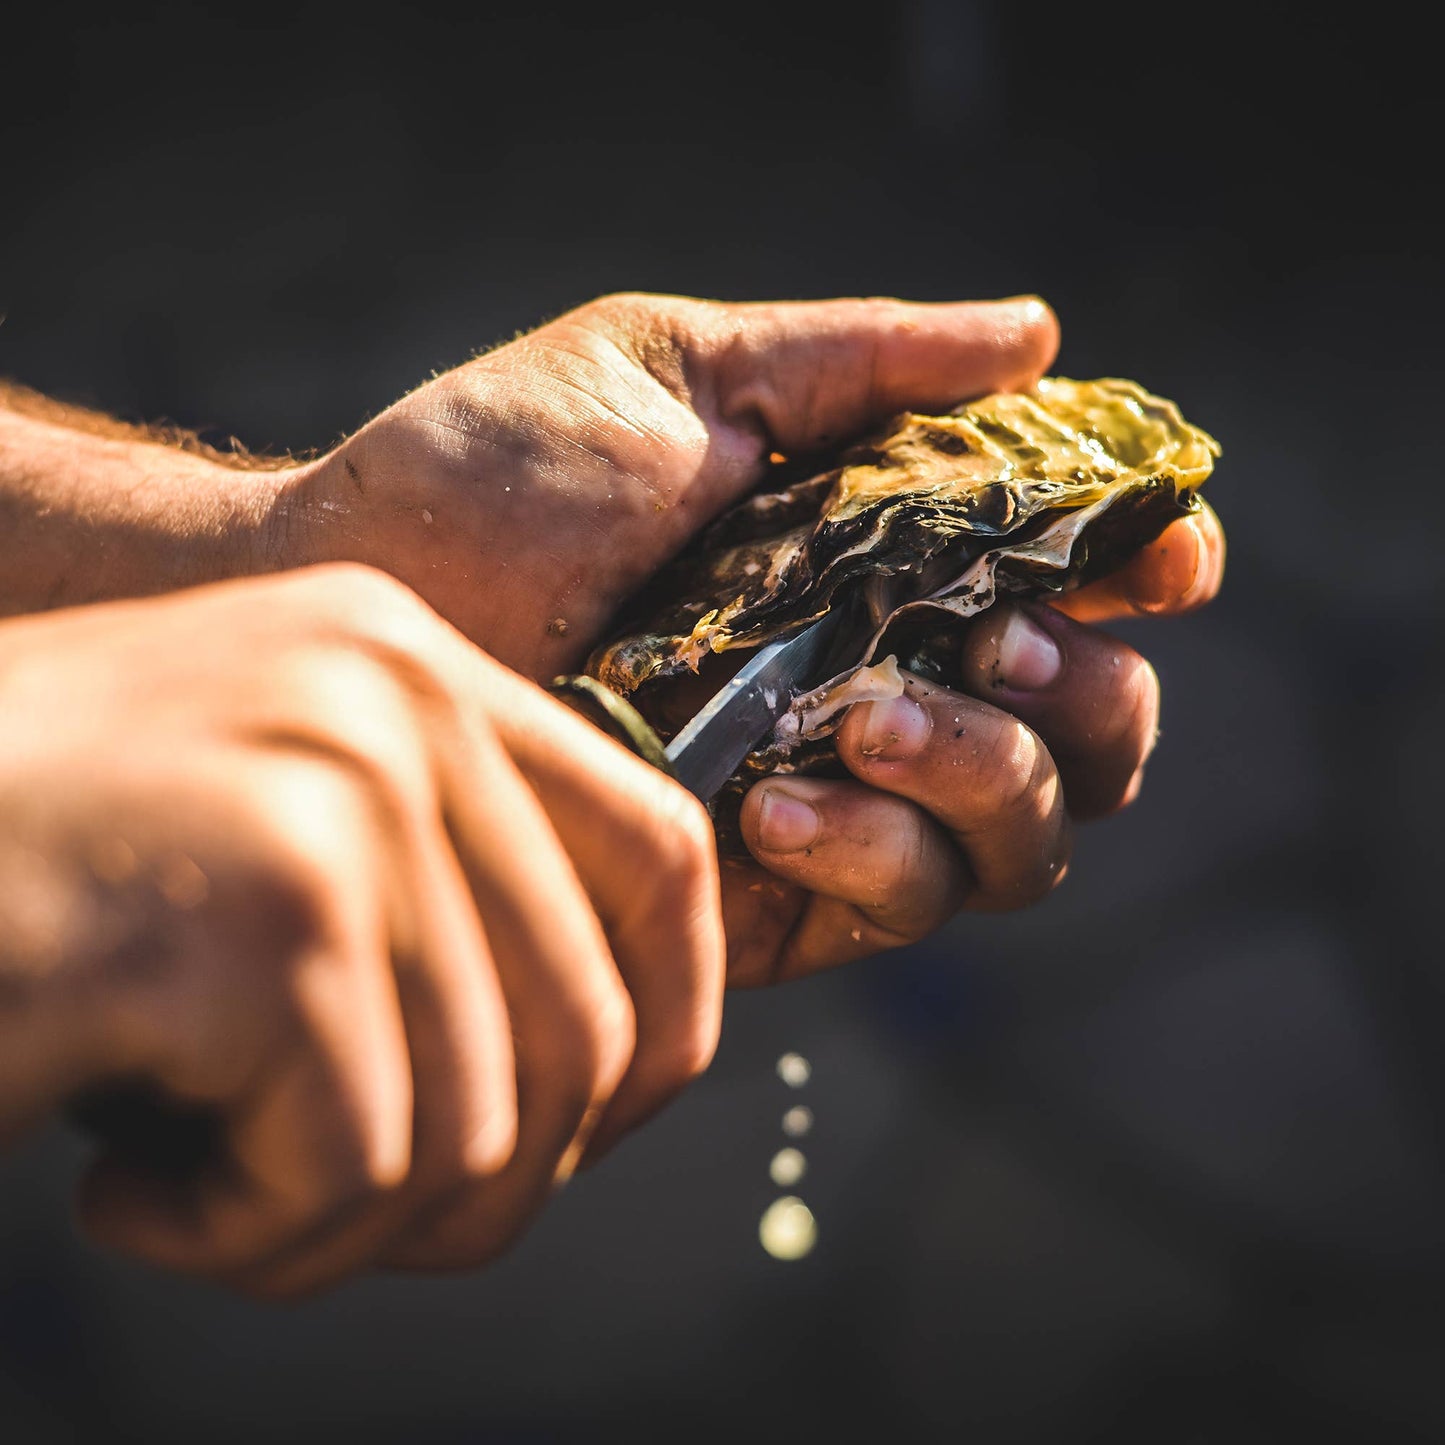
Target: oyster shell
{"type": "Point", "coordinates": [925, 524]}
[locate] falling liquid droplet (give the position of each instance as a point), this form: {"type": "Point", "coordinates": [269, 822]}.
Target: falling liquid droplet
{"type": "Point", "coordinates": [787, 1168]}
{"type": "Point", "coordinates": [794, 1070]}
{"type": "Point", "coordinates": [787, 1229]}
{"type": "Point", "coordinates": [797, 1121]}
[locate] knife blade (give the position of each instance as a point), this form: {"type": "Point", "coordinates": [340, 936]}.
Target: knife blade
{"type": "Point", "coordinates": [706, 753]}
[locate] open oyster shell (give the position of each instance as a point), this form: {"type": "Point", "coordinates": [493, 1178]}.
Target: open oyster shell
{"type": "Point", "coordinates": [925, 524]}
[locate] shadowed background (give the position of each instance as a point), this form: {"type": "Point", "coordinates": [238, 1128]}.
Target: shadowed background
{"type": "Point", "coordinates": [1160, 1159]}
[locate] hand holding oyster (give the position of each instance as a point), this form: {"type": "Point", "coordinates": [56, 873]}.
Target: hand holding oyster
{"type": "Point", "coordinates": [532, 495]}
{"type": "Point", "coordinates": [925, 525]}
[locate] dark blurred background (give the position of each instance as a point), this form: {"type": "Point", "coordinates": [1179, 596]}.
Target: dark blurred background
{"type": "Point", "coordinates": [1160, 1159]}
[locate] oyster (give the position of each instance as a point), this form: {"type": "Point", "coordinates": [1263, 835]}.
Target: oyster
{"type": "Point", "coordinates": [924, 524]}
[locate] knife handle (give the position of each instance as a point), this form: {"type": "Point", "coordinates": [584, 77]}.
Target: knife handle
{"type": "Point", "coordinates": [146, 1129]}
{"type": "Point", "coordinates": [614, 715]}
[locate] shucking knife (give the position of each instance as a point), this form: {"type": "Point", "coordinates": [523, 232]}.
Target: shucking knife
{"type": "Point", "coordinates": [706, 753]}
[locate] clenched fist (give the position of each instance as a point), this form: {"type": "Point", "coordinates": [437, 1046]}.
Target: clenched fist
{"type": "Point", "coordinates": [297, 857]}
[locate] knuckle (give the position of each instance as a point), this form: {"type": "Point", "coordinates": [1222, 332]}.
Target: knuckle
{"type": "Point", "coordinates": [625, 311]}
{"type": "Point", "coordinates": [889, 858]}
{"type": "Point", "coordinates": [696, 1050]}
{"type": "Point", "coordinates": [1043, 883]}
{"type": "Point", "coordinates": [311, 859]}
{"type": "Point", "coordinates": [295, 877]}
{"type": "Point", "coordinates": [614, 1040]}
{"type": "Point", "coordinates": [368, 612]}
{"type": "Point", "coordinates": [670, 1063]}
{"type": "Point", "coordinates": [908, 858]}
{"type": "Point", "coordinates": [922, 888]}
{"type": "Point", "coordinates": [655, 332]}
{"type": "Point", "coordinates": [687, 852]}
{"type": "Point", "coordinates": [354, 589]}
{"type": "Point", "coordinates": [1037, 882]}
{"type": "Point", "coordinates": [1058, 850]}
{"type": "Point", "coordinates": [633, 305]}
{"type": "Point", "coordinates": [1132, 788]}
{"type": "Point", "coordinates": [611, 303]}
{"type": "Point", "coordinates": [1133, 710]}
{"type": "Point", "coordinates": [585, 1053]}
{"type": "Point", "coordinates": [490, 1148]}
{"type": "Point", "coordinates": [1144, 713]}
{"type": "Point", "coordinates": [1108, 771]}
{"type": "Point", "coordinates": [341, 684]}
{"type": "Point", "coordinates": [1063, 856]}
{"type": "Point", "coordinates": [366, 1159]}
{"type": "Point", "coordinates": [311, 805]}
{"type": "Point", "coordinates": [676, 848]}
{"type": "Point", "coordinates": [368, 1168]}
{"type": "Point", "coordinates": [1014, 773]}
{"type": "Point", "coordinates": [353, 713]}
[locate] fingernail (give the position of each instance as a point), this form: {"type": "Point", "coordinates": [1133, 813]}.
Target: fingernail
{"type": "Point", "coordinates": [897, 728]}
{"type": "Point", "coordinates": [1031, 308]}
{"type": "Point", "coordinates": [786, 824]}
{"type": "Point", "coordinates": [1028, 658]}
{"type": "Point", "coordinates": [1177, 597]}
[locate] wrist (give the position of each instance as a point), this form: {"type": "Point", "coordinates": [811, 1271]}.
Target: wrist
{"type": "Point", "coordinates": [90, 515]}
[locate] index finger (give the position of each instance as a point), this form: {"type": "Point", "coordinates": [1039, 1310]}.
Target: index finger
{"type": "Point", "coordinates": [1181, 569]}
{"type": "Point", "coordinates": [643, 852]}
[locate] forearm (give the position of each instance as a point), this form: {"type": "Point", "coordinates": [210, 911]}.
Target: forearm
{"type": "Point", "coordinates": [92, 508]}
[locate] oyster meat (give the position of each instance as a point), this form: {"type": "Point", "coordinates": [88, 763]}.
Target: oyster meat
{"type": "Point", "coordinates": [924, 525]}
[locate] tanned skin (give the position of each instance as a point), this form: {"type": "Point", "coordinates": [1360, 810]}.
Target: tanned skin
{"type": "Point", "coordinates": [289, 833]}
